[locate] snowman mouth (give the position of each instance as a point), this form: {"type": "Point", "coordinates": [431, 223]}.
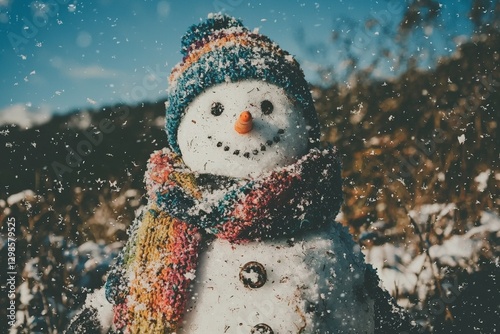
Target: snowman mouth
{"type": "Point", "coordinates": [248, 153]}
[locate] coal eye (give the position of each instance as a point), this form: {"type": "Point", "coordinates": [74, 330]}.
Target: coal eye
{"type": "Point", "coordinates": [267, 107]}
{"type": "Point", "coordinates": [217, 108]}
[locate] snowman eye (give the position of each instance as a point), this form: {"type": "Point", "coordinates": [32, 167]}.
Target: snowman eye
{"type": "Point", "coordinates": [267, 107]}
{"type": "Point", "coordinates": [217, 108]}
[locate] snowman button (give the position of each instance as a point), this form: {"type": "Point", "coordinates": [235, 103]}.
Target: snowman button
{"type": "Point", "coordinates": [253, 275]}
{"type": "Point", "coordinates": [262, 329]}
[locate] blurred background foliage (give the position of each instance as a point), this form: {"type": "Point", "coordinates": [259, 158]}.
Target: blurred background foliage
{"type": "Point", "coordinates": [427, 136]}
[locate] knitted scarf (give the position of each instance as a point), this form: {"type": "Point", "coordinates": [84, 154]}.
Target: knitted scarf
{"type": "Point", "coordinates": [150, 282]}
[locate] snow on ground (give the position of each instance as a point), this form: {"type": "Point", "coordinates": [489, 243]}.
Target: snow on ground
{"type": "Point", "coordinates": [404, 272]}
{"type": "Point", "coordinates": [18, 197]}
{"type": "Point", "coordinates": [482, 180]}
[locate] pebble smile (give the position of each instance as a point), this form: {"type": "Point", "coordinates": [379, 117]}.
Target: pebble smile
{"type": "Point", "coordinates": [263, 146]}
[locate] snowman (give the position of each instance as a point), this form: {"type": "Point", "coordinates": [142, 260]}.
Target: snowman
{"type": "Point", "coordinates": [239, 234]}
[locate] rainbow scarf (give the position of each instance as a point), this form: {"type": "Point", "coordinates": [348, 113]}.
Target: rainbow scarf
{"type": "Point", "coordinates": [149, 284]}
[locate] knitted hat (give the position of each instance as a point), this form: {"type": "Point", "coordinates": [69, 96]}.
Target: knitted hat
{"type": "Point", "coordinates": [222, 50]}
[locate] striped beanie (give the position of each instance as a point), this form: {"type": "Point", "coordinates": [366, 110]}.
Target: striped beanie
{"type": "Point", "coordinates": [220, 50]}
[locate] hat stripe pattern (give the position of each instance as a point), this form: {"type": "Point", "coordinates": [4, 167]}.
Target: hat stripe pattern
{"type": "Point", "coordinates": [222, 40]}
{"type": "Point", "coordinates": [222, 50]}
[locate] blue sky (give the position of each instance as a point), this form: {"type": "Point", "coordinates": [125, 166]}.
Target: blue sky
{"type": "Point", "coordinates": [60, 55]}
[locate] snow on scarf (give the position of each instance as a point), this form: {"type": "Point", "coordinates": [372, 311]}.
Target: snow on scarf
{"type": "Point", "coordinates": [150, 282]}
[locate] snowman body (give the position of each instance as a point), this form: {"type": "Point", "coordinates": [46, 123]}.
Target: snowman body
{"type": "Point", "coordinates": [309, 284]}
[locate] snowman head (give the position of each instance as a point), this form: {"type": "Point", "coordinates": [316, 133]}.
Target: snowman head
{"type": "Point", "coordinates": [238, 105]}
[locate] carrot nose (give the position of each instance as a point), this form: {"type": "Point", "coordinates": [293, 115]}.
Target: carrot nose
{"type": "Point", "coordinates": [244, 123]}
